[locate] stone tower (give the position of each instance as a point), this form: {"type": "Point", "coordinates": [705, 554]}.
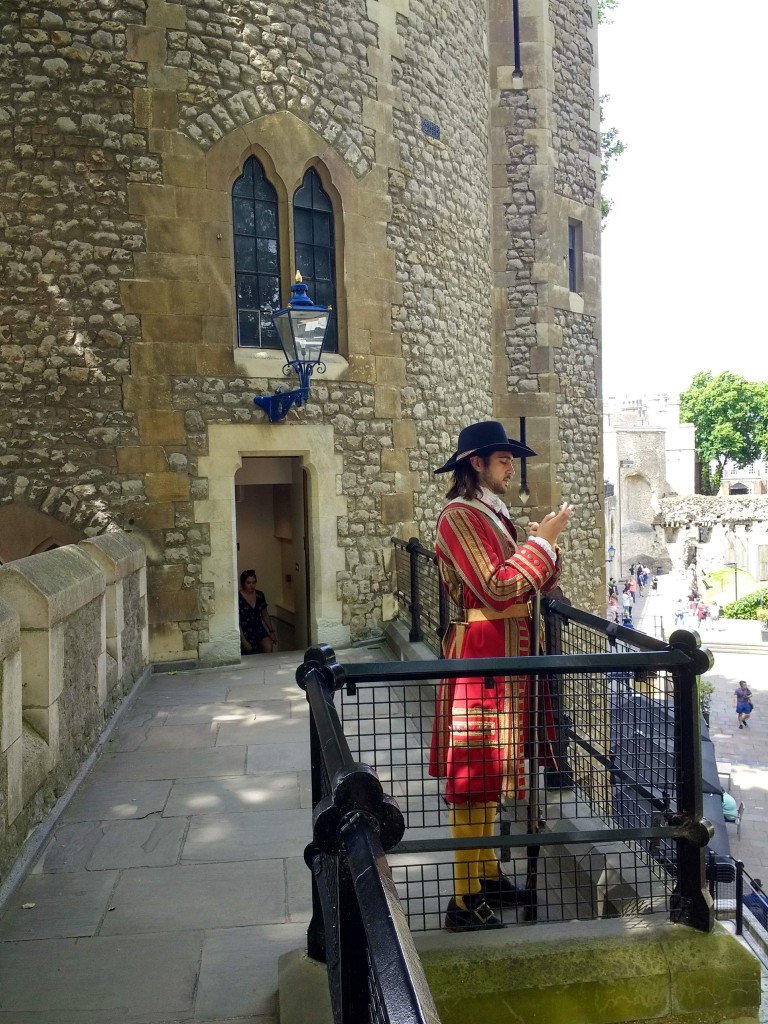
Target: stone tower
{"type": "Point", "coordinates": [165, 168]}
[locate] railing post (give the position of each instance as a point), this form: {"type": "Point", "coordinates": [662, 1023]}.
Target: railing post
{"type": "Point", "coordinates": [316, 928]}
{"type": "Point", "coordinates": [353, 950]}
{"type": "Point", "coordinates": [691, 902]}
{"type": "Point", "coordinates": [415, 633]}
{"type": "Point", "coordinates": [739, 897]}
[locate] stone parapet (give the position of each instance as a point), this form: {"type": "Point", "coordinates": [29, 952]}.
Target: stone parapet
{"type": "Point", "coordinates": [73, 638]}
{"type": "Point", "coordinates": [577, 972]}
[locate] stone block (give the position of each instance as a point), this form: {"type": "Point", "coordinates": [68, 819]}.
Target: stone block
{"type": "Point", "coordinates": [404, 434]}
{"type": "Point", "coordinates": [147, 296]}
{"type": "Point", "coordinates": [145, 45]}
{"type": "Point", "coordinates": [44, 589]}
{"type": "Point", "coordinates": [180, 170]}
{"type": "Point", "coordinates": [116, 554]}
{"type": "Point", "coordinates": [386, 343]}
{"type": "Point", "coordinates": [394, 460]}
{"type": "Point", "coordinates": [165, 577]}
{"type": "Point", "coordinates": [188, 297]}
{"type": "Point", "coordinates": [388, 402]}
{"type": "Point", "coordinates": [146, 200]}
{"type": "Point", "coordinates": [10, 699]}
{"type": "Point", "coordinates": [14, 756]}
{"type": "Point", "coordinates": [362, 368]}
{"type": "Point", "coordinates": [390, 370]}
{"type": "Point", "coordinates": [175, 235]}
{"type": "Point", "coordinates": [164, 109]}
{"type": "Point", "coordinates": [167, 487]}
{"type": "Point", "coordinates": [395, 508]}
{"type": "Point", "coordinates": [147, 392]}
{"type": "Point", "coordinates": [162, 426]}
{"type": "Point", "coordinates": [156, 359]}
{"type": "Point", "coordinates": [215, 360]}
{"type": "Point", "coordinates": [218, 330]}
{"type": "Point", "coordinates": [174, 606]}
{"type": "Point", "coordinates": [141, 459]}
{"type": "Point", "coordinates": [160, 264]}
{"type": "Point", "coordinates": [203, 204]}
{"type": "Point", "coordinates": [178, 326]}
{"type": "Point", "coordinates": [161, 515]}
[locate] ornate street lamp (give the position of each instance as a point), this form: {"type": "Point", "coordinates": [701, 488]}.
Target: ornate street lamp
{"type": "Point", "coordinates": [611, 553]}
{"type": "Point", "coordinates": [302, 327]}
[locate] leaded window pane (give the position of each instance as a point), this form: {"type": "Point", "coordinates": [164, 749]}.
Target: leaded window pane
{"type": "Point", "coordinates": [314, 250]}
{"type": "Point", "coordinates": [257, 255]}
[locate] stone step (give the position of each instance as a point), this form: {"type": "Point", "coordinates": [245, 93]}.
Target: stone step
{"type": "Point", "coordinates": [735, 648]}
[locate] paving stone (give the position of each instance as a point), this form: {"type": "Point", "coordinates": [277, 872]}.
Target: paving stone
{"type": "Point", "coordinates": [194, 896]}
{"type": "Point", "coordinates": [65, 905]}
{"type": "Point", "coordinates": [238, 793]}
{"type": "Point", "coordinates": [291, 757]}
{"type": "Point", "coordinates": [112, 979]}
{"type": "Point", "coordinates": [103, 799]}
{"type": "Point", "coordinates": [265, 729]}
{"type": "Point", "coordinates": [238, 973]}
{"type": "Point", "coordinates": [173, 764]}
{"type": "Point", "coordinates": [250, 835]}
{"type": "Point", "coordinates": [162, 737]}
{"type": "Point", "coordinates": [70, 847]}
{"type": "Point", "coordinates": [151, 842]}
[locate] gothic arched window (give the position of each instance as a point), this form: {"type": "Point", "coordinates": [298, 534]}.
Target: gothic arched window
{"type": "Point", "coordinates": [257, 256]}
{"type": "Point", "coordinates": [315, 248]}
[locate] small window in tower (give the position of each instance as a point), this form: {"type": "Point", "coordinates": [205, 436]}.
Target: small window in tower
{"type": "Point", "coordinates": [575, 257]}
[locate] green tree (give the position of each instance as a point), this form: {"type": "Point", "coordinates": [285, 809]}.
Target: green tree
{"type": "Point", "coordinates": [730, 414]}
{"type": "Point", "coordinates": [603, 8]}
{"type": "Point", "coordinates": [611, 145]}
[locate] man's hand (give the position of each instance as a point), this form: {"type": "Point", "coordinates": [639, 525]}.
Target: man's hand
{"type": "Point", "coordinates": [553, 524]}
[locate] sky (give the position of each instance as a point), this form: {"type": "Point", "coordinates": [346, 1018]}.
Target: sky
{"type": "Point", "coordinates": [685, 247]}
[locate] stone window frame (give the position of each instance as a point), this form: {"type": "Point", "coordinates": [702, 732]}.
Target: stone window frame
{"type": "Point", "coordinates": [287, 181]}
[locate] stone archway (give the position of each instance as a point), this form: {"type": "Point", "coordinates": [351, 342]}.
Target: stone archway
{"type": "Point", "coordinates": [26, 531]}
{"type": "Point", "coordinates": [228, 445]}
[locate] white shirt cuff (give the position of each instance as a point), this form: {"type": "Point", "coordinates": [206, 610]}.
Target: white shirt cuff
{"type": "Point", "coordinates": [545, 546]}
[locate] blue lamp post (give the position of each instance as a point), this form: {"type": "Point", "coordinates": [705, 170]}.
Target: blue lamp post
{"type": "Point", "coordinates": [302, 327]}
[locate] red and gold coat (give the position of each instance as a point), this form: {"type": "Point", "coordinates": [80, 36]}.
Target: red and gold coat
{"type": "Point", "coordinates": [479, 733]}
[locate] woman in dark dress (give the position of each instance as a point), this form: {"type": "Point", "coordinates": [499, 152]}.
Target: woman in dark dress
{"type": "Point", "coordinates": [257, 634]}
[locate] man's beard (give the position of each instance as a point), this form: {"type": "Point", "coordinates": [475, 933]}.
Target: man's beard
{"type": "Point", "coordinates": [493, 485]}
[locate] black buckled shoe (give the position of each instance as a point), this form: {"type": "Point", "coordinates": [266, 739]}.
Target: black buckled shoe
{"type": "Point", "coordinates": [477, 917]}
{"type": "Point", "coordinates": [502, 892]}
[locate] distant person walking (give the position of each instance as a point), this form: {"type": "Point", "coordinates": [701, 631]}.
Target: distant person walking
{"type": "Point", "coordinates": [744, 705]}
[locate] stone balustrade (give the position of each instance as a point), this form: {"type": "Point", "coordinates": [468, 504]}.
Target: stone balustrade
{"type": "Point", "coordinates": [73, 641]}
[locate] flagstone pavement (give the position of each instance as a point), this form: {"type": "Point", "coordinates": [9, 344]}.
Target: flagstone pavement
{"type": "Point", "coordinates": [167, 884]}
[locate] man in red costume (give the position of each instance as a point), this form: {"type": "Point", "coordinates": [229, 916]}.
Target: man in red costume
{"type": "Point", "coordinates": [480, 733]}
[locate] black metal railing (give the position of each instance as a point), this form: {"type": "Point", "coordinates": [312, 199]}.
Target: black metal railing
{"type": "Point", "coordinates": [358, 926]}
{"type": "Point", "coordinates": [419, 593]}
{"type": "Point", "coordinates": [741, 900]}
{"type": "Point", "coordinates": [629, 776]}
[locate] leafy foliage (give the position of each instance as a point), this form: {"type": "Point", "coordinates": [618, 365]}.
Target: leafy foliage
{"type": "Point", "coordinates": [611, 145]}
{"type": "Point", "coordinates": [753, 606]}
{"type": "Point", "coordinates": [603, 9]}
{"type": "Point", "coordinates": [730, 414]}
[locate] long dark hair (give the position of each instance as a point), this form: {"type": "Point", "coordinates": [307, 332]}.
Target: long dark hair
{"type": "Point", "coordinates": [466, 481]}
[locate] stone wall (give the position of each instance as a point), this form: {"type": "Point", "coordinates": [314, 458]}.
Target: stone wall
{"type": "Point", "coordinates": [124, 128]}
{"type": "Point", "coordinates": [61, 613]}
{"type": "Point", "coordinates": [706, 532]}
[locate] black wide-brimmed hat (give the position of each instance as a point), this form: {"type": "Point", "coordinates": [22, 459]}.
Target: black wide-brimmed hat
{"type": "Point", "coordinates": [482, 439]}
